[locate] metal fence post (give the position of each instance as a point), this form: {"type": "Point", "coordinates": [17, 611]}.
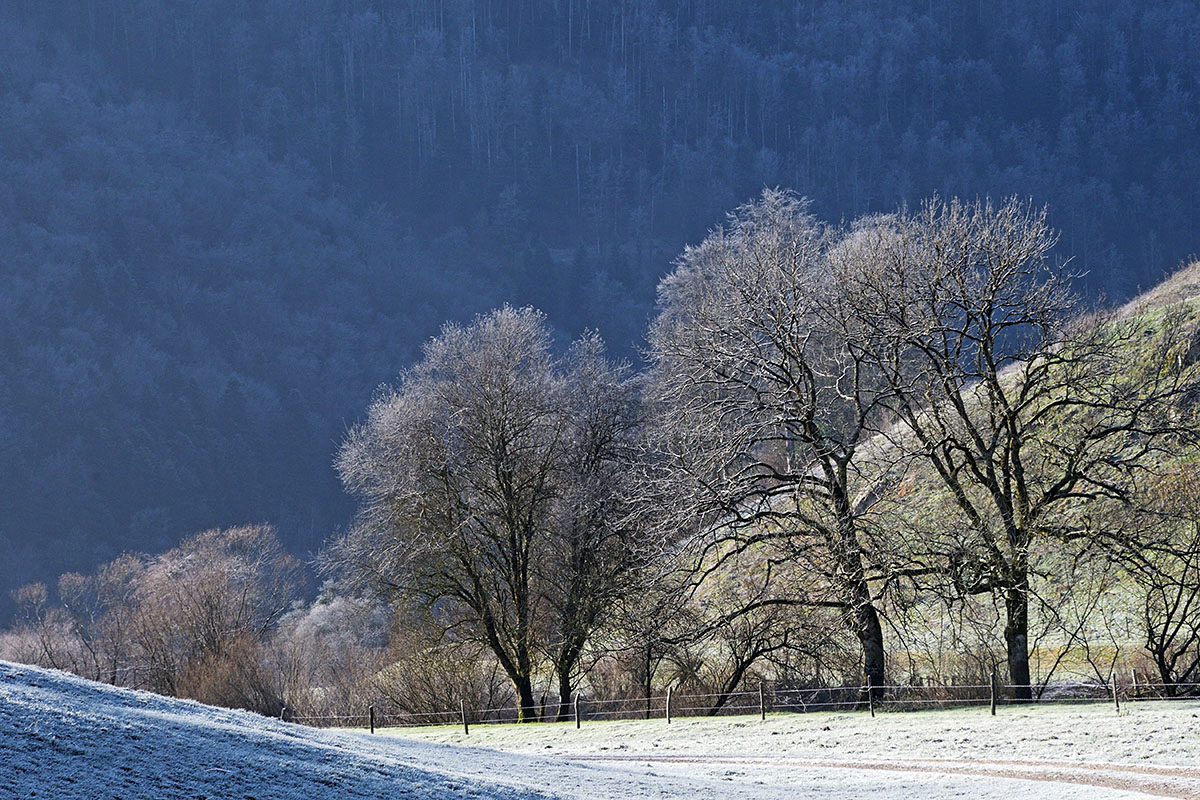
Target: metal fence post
{"type": "Point", "coordinates": [993, 690]}
{"type": "Point", "coordinates": [668, 705]}
{"type": "Point", "coordinates": [462, 709]}
{"type": "Point", "coordinates": [371, 714]}
{"type": "Point", "coordinates": [577, 711]}
{"type": "Point", "coordinates": [762, 702]}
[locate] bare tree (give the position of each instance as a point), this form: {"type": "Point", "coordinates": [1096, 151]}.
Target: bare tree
{"type": "Point", "coordinates": [483, 476]}
{"type": "Point", "coordinates": [190, 622]}
{"type": "Point", "coordinates": [99, 607]}
{"type": "Point", "coordinates": [87, 631]}
{"type": "Point", "coordinates": [1167, 576]}
{"type": "Point", "coordinates": [326, 656]}
{"type": "Point", "coordinates": [760, 405]}
{"type": "Point", "coordinates": [593, 555]}
{"type": "Point", "coordinates": [734, 628]}
{"type": "Point", "coordinates": [427, 673]}
{"type": "Point", "coordinates": [45, 634]}
{"type": "Point", "coordinates": [202, 610]}
{"type": "Point", "coordinates": [1023, 416]}
{"type": "Point", "coordinates": [1170, 616]}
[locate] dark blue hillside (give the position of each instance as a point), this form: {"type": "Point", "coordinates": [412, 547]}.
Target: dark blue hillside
{"type": "Point", "coordinates": [223, 223]}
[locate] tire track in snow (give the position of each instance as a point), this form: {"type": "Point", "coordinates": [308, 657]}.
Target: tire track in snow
{"type": "Point", "coordinates": [1160, 781]}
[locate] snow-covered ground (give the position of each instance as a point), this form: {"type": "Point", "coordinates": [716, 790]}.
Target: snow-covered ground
{"type": "Point", "coordinates": [1052, 751]}
{"type": "Point", "coordinates": [1165, 733]}
{"type": "Point", "coordinates": [63, 737]}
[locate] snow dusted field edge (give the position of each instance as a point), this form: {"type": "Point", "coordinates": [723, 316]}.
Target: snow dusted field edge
{"type": "Point", "coordinates": [64, 737]}
{"type": "Point", "coordinates": [1165, 732]}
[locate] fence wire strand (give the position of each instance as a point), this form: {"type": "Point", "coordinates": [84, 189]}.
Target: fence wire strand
{"type": "Point", "coordinates": [893, 698]}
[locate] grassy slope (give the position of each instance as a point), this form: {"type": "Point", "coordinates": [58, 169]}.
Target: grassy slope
{"type": "Point", "coordinates": [65, 737]}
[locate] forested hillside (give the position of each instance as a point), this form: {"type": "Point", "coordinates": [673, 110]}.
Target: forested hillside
{"type": "Point", "coordinates": [575, 122]}
{"type": "Point", "coordinates": [186, 324]}
{"type": "Point", "coordinates": [224, 223]}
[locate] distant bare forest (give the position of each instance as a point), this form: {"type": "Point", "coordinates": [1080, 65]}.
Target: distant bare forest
{"type": "Point", "coordinates": [225, 223]}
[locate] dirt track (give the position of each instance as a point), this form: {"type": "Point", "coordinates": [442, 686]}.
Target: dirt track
{"type": "Point", "coordinates": [1159, 781]}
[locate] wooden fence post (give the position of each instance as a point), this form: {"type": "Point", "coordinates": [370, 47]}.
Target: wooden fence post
{"type": "Point", "coordinates": [668, 705]}
{"type": "Point", "coordinates": [993, 691]}
{"type": "Point", "coordinates": [577, 711]}
{"type": "Point", "coordinates": [1116, 699]}
{"type": "Point", "coordinates": [462, 709]}
{"type": "Point", "coordinates": [762, 701]}
{"type": "Point", "coordinates": [371, 715]}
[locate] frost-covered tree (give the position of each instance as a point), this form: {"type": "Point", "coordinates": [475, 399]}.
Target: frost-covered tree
{"type": "Point", "coordinates": [594, 555]}
{"type": "Point", "coordinates": [759, 408]}
{"type": "Point", "coordinates": [1022, 418]}
{"type": "Point", "coordinates": [484, 477]}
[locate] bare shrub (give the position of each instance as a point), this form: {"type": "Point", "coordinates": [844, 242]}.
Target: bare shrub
{"type": "Point", "coordinates": [235, 676]}
{"type": "Point", "coordinates": [326, 656]}
{"type": "Point", "coordinates": [436, 677]}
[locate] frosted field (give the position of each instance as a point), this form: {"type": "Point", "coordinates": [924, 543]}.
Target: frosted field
{"type": "Point", "coordinates": [1064, 751]}
{"type": "Point", "coordinates": [63, 737]}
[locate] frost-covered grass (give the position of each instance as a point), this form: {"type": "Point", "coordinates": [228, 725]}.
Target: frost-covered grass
{"type": "Point", "coordinates": [1158, 732]}
{"type": "Point", "coordinates": [64, 737]}
{"type": "Point", "coordinates": [1154, 747]}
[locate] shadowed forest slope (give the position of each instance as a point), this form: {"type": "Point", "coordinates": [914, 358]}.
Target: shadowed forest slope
{"type": "Point", "coordinates": [225, 223]}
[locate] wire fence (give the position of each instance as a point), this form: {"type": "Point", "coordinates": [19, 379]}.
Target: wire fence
{"type": "Point", "coordinates": [769, 698]}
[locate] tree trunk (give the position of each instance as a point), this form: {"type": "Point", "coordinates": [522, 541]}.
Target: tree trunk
{"type": "Point", "coordinates": [1016, 638]}
{"type": "Point", "coordinates": [870, 635]}
{"type": "Point", "coordinates": [527, 706]}
{"type": "Point", "coordinates": [865, 621]}
{"type": "Point", "coordinates": [1166, 673]}
{"type": "Point", "coordinates": [732, 684]}
{"type": "Point", "coordinates": [649, 678]}
{"type": "Point", "coordinates": [564, 694]}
